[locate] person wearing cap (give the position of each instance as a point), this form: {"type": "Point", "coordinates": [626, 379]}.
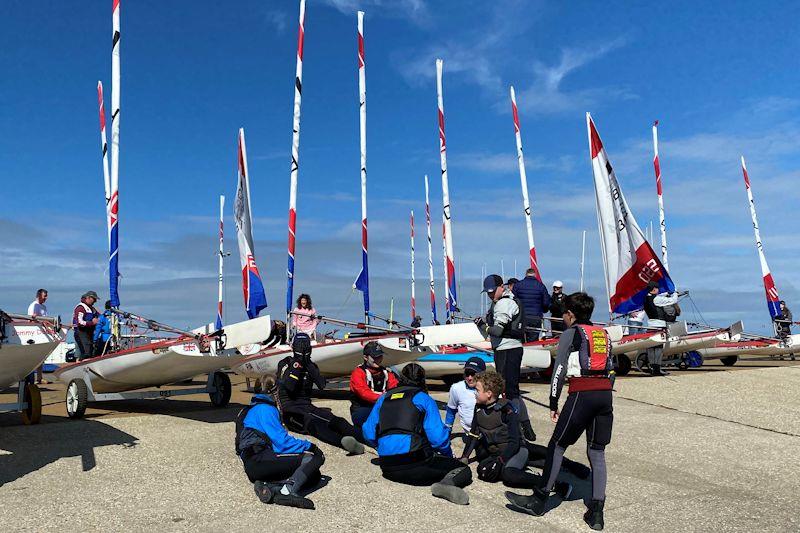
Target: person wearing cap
{"type": "Point", "coordinates": [654, 304]}
{"type": "Point", "coordinates": [505, 327]}
{"type": "Point", "coordinates": [557, 306]}
{"type": "Point", "coordinates": [783, 323]}
{"type": "Point", "coordinates": [461, 400]}
{"type": "Point", "coordinates": [367, 382]}
{"type": "Point", "coordinates": [278, 464]}
{"type": "Point", "coordinates": [413, 444]}
{"type": "Point", "coordinates": [535, 301]}
{"type": "Point", "coordinates": [102, 331]}
{"type": "Point", "coordinates": [84, 320]}
{"type": "Point", "coordinates": [297, 375]}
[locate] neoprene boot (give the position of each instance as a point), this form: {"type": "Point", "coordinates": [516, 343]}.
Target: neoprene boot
{"type": "Point", "coordinates": [352, 446]}
{"type": "Point", "coordinates": [594, 515]}
{"type": "Point", "coordinates": [450, 493]}
{"type": "Point", "coordinates": [292, 500]}
{"type": "Point", "coordinates": [263, 491]}
{"type": "Point", "coordinates": [532, 505]}
{"type": "Point", "coordinates": [563, 489]}
{"type": "Point", "coordinates": [527, 431]}
{"type": "Point", "coordinates": [656, 371]}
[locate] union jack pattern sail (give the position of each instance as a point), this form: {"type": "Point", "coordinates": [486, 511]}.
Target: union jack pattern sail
{"type": "Point", "coordinates": [773, 300]}
{"type": "Point", "coordinates": [253, 289]}
{"type": "Point", "coordinates": [430, 251]}
{"type": "Point", "coordinates": [526, 205]}
{"type": "Point", "coordinates": [362, 281]}
{"type": "Point", "coordinates": [295, 165]}
{"type": "Point", "coordinates": [629, 260]}
{"type": "Point", "coordinates": [452, 299]}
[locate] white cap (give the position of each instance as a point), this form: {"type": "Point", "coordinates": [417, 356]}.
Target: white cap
{"type": "Point", "coordinates": [557, 283]}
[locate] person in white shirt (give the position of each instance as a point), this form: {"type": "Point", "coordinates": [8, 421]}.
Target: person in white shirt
{"type": "Point", "coordinates": [38, 308]}
{"type": "Point", "coordinates": [462, 395]}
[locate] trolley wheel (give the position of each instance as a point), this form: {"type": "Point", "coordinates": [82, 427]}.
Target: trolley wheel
{"type": "Point", "coordinates": [642, 365]}
{"type": "Point", "coordinates": [623, 364]}
{"type": "Point", "coordinates": [222, 389]}
{"type": "Point", "coordinates": [33, 399]}
{"type": "Point", "coordinates": [729, 360]}
{"type": "Point", "coordinates": [77, 398]}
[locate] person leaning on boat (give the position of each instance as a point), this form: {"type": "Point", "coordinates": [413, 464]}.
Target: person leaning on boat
{"type": "Point", "coordinates": [304, 317]}
{"type": "Point", "coordinates": [654, 305]}
{"type": "Point", "coordinates": [84, 320]}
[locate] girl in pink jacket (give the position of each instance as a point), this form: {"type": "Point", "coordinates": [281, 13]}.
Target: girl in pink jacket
{"type": "Point", "coordinates": [302, 316]}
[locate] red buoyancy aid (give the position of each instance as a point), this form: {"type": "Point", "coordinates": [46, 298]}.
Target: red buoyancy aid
{"type": "Point", "coordinates": [591, 367]}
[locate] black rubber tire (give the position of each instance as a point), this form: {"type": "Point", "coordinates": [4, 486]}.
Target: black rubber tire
{"type": "Point", "coordinates": [33, 397]}
{"type": "Point", "coordinates": [642, 364]}
{"type": "Point", "coordinates": [77, 395]}
{"type": "Point", "coordinates": [222, 389]}
{"type": "Point", "coordinates": [730, 360]}
{"type": "Point", "coordinates": [623, 365]}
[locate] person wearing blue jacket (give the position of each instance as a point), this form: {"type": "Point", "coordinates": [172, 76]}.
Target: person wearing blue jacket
{"type": "Point", "coordinates": [278, 464]}
{"type": "Point", "coordinates": [535, 302]}
{"type": "Point", "coordinates": [102, 331]}
{"type": "Point", "coordinates": [412, 442]}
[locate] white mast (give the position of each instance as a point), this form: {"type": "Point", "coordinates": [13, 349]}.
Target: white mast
{"type": "Point", "coordinates": [430, 251]}
{"type": "Point", "coordinates": [448, 230]}
{"type": "Point", "coordinates": [583, 256]}
{"type": "Point", "coordinates": [662, 223]}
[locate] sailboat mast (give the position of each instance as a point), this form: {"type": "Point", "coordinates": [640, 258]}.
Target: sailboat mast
{"type": "Point", "coordinates": [113, 198]}
{"type": "Point", "coordinates": [662, 223]}
{"type": "Point", "coordinates": [413, 281]}
{"type": "Point", "coordinates": [526, 205]}
{"type": "Point", "coordinates": [452, 298]}
{"type": "Point", "coordinates": [444, 269]}
{"type": "Point", "coordinates": [221, 253]}
{"type": "Point", "coordinates": [294, 168]}
{"type": "Point", "coordinates": [583, 256]}
{"type": "Point", "coordinates": [773, 300]}
{"type": "Point", "coordinates": [430, 251]}
{"type": "Point", "coordinates": [362, 282]}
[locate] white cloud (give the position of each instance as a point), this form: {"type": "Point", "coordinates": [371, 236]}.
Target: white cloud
{"type": "Point", "coordinates": [414, 10]}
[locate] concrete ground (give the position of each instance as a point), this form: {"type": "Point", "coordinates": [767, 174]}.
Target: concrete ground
{"type": "Point", "coordinates": [712, 449]}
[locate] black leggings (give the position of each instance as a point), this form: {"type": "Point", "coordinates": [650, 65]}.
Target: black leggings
{"type": "Point", "coordinates": [319, 423]}
{"type": "Point", "coordinates": [298, 469]}
{"type": "Point", "coordinates": [430, 471]}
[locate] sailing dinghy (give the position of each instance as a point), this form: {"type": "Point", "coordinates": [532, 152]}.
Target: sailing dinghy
{"type": "Point", "coordinates": [25, 342]}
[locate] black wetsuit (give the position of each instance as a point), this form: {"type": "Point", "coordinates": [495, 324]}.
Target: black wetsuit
{"type": "Point", "coordinates": [297, 377]}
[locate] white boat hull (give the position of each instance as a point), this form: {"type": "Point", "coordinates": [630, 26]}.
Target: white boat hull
{"type": "Point", "coordinates": [25, 347]}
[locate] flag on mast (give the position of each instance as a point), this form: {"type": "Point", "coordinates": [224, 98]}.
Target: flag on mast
{"type": "Point", "coordinates": [221, 253]}
{"type": "Point", "coordinates": [662, 223]}
{"type": "Point", "coordinates": [629, 260]}
{"type": "Point", "coordinates": [362, 281]}
{"type": "Point", "coordinates": [113, 198]}
{"type": "Point", "coordinates": [452, 299]}
{"type": "Point", "coordinates": [526, 205]}
{"type": "Point", "coordinates": [773, 300]}
{"type": "Point", "coordinates": [430, 251]}
{"type": "Point", "coordinates": [413, 281]}
{"type": "Point", "coordinates": [254, 297]}
{"type": "Point", "coordinates": [298, 90]}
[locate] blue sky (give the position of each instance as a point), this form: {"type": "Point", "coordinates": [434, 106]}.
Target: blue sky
{"type": "Point", "coordinates": [720, 77]}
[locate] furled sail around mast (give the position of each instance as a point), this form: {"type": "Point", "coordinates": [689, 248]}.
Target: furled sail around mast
{"type": "Point", "coordinates": [629, 260]}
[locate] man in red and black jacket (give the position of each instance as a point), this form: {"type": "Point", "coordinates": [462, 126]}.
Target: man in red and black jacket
{"type": "Point", "coordinates": [368, 382]}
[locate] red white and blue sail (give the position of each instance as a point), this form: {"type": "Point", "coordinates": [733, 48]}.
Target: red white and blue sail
{"type": "Point", "coordinates": [659, 190]}
{"type": "Point", "coordinates": [773, 300]}
{"type": "Point", "coordinates": [362, 281]}
{"type": "Point", "coordinates": [253, 289]}
{"type": "Point", "coordinates": [430, 251]}
{"type": "Point", "coordinates": [295, 165]}
{"type": "Point", "coordinates": [112, 191]}
{"type": "Point", "coordinates": [630, 262]}
{"type": "Point", "coordinates": [452, 299]}
{"type": "Point", "coordinates": [221, 253]}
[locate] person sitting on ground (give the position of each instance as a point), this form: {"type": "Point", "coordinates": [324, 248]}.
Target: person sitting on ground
{"type": "Point", "coordinates": [461, 400]}
{"type": "Point", "coordinates": [102, 331]}
{"type": "Point", "coordinates": [584, 358]}
{"type": "Point", "coordinates": [495, 437]}
{"type": "Point", "coordinates": [297, 376]}
{"type": "Point", "coordinates": [412, 442]}
{"type": "Point", "coordinates": [368, 382]}
{"type": "Point", "coordinates": [278, 464]}
{"type": "Point", "coordinates": [304, 317]}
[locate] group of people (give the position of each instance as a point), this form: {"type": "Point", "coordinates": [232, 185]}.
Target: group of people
{"type": "Point", "coordinates": [395, 415]}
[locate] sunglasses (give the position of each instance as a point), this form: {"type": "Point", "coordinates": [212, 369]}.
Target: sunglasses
{"type": "Point", "coordinates": [469, 372]}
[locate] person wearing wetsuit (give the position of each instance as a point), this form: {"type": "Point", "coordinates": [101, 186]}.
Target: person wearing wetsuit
{"type": "Point", "coordinates": [367, 382]}
{"type": "Point", "coordinates": [583, 358]}
{"type": "Point", "coordinates": [297, 376]}
{"type": "Point", "coordinates": [496, 440]}
{"type": "Point", "coordinates": [412, 442]}
{"type": "Point", "coordinates": [505, 327]}
{"type": "Point", "coordinates": [278, 464]}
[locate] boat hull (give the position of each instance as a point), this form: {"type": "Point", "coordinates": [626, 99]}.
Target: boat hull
{"type": "Point", "coordinates": [23, 349]}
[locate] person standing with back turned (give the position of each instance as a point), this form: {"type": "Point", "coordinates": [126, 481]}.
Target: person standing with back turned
{"type": "Point", "coordinates": [535, 301]}
{"type": "Point", "coordinates": [584, 359]}
{"type": "Point", "coordinates": [505, 327]}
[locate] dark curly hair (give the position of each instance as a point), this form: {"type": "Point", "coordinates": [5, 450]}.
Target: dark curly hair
{"type": "Point", "coordinates": [308, 298]}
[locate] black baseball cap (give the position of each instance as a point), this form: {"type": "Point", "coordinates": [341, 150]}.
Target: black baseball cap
{"type": "Point", "coordinates": [476, 364]}
{"type": "Point", "coordinates": [373, 349]}
{"type": "Point", "coordinates": [491, 282]}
